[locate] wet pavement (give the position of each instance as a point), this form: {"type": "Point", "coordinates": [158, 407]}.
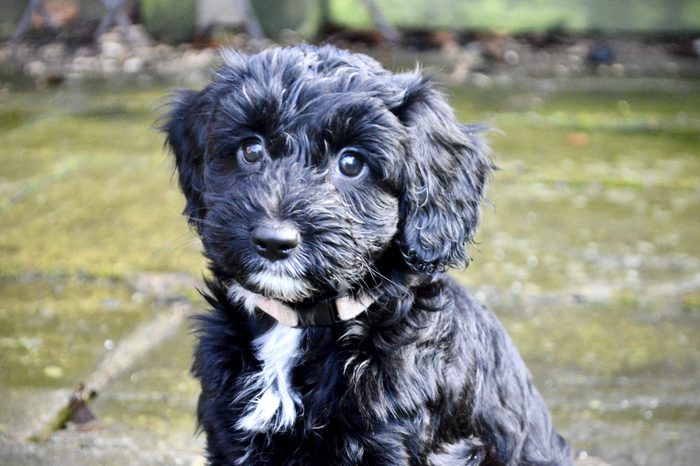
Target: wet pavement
{"type": "Point", "coordinates": [588, 253]}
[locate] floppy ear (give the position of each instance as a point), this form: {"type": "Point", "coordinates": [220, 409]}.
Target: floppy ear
{"type": "Point", "coordinates": [186, 135]}
{"type": "Point", "coordinates": [445, 172]}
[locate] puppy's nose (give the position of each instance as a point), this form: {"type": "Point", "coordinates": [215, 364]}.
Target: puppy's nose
{"type": "Point", "coordinates": [275, 242]}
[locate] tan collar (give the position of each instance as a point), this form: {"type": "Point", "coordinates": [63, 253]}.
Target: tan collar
{"type": "Point", "coordinates": [326, 312]}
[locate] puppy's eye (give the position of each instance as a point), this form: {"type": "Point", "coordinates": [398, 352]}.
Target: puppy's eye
{"type": "Point", "coordinates": [251, 152]}
{"type": "Point", "coordinates": [351, 164]}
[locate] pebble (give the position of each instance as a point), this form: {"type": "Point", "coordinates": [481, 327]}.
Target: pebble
{"type": "Point", "coordinates": [511, 57]}
{"type": "Point", "coordinates": [36, 68]}
{"type": "Point", "coordinates": [617, 70]}
{"type": "Point", "coordinates": [481, 80]}
{"type": "Point", "coordinates": [109, 66]}
{"type": "Point", "coordinates": [113, 50]}
{"type": "Point", "coordinates": [133, 65]}
{"type": "Point", "coordinates": [84, 65]}
{"type": "Point", "coordinates": [138, 37]}
{"type": "Point", "coordinates": [53, 53]}
{"type": "Point", "coordinates": [561, 71]}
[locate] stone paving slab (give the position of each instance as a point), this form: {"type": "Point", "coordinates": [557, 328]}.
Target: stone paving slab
{"type": "Point", "coordinates": [104, 448]}
{"type": "Point", "coordinates": [26, 410]}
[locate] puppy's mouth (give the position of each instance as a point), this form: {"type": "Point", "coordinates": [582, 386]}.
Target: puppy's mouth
{"type": "Point", "coordinates": [279, 285]}
{"type": "Point", "coordinates": [286, 281]}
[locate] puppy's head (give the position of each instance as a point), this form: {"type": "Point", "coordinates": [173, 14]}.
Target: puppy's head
{"type": "Point", "coordinates": [303, 166]}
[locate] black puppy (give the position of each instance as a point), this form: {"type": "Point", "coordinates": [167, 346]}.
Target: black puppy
{"type": "Point", "coordinates": [330, 196]}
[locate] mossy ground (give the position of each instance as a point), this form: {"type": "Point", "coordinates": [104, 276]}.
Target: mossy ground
{"type": "Point", "coordinates": [86, 187]}
{"type": "Point", "coordinates": [588, 252]}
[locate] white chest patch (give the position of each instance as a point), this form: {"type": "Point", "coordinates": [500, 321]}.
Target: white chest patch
{"type": "Point", "coordinates": [273, 402]}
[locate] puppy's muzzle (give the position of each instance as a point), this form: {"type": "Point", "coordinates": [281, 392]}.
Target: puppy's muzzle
{"type": "Point", "coordinates": [275, 241]}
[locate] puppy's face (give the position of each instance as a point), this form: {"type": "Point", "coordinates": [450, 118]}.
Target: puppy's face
{"type": "Point", "coordinates": [302, 166]}
{"type": "Point", "coordinates": [300, 186]}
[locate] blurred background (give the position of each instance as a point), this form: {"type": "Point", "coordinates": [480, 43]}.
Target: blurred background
{"type": "Point", "coordinates": [589, 250]}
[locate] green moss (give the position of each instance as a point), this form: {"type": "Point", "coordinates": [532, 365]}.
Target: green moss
{"type": "Point", "coordinates": [100, 190]}
{"type": "Point", "coordinates": [610, 341]}
{"type": "Point", "coordinates": [53, 331]}
{"type": "Point", "coordinates": [169, 414]}
{"type": "Point", "coordinates": [109, 218]}
{"type": "Point", "coordinates": [691, 302]}
{"type": "Point", "coordinates": [568, 198]}
{"type": "Point", "coordinates": [12, 117]}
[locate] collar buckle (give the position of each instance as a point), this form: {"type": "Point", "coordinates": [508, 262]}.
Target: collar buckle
{"type": "Point", "coordinates": [321, 313]}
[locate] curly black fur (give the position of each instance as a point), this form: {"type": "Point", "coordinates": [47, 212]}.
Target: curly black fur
{"type": "Point", "coordinates": [426, 376]}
